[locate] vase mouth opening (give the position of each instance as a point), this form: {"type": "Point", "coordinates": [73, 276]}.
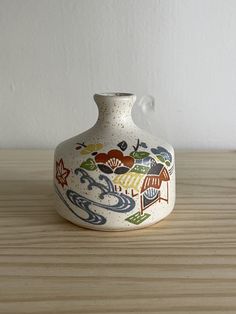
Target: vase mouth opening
{"type": "Point", "coordinates": [115, 94]}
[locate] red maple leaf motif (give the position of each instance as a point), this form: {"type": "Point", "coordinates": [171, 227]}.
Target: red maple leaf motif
{"type": "Point", "coordinates": [61, 173]}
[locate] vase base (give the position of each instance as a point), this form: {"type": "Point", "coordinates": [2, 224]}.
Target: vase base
{"type": "Point", "coordinates": [108, 229]}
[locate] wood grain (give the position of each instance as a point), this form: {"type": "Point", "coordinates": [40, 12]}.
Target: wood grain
{"type": "Point", "coordinates": [184, 264]}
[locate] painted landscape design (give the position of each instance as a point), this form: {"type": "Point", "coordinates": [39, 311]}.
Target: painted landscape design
{"type": "Point", "coordinates": [124, 178]}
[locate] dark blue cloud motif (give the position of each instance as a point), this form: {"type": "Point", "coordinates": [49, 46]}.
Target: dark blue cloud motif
{"type": "Point", "coordinates": [122, 203]}
{"type": "Point", "coordinates": [142, 144]}
{"type": "Point", "coordinates": [162, 154]}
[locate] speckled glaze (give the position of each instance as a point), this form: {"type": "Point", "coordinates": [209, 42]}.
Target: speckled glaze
{"type": "Point", "coordinates": [114, 176]}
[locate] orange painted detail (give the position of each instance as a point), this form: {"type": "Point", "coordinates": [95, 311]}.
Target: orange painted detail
{"type": "Point", "coordinates": [153, 180]}
{"type": "Point", "coordinates": [114, 161]}
{"type": "Point", "coordinates": [114, 154]}
{"type": "Point", "coordinates": [61, 173]}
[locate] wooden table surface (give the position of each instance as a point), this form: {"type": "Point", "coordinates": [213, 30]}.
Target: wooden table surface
{"type": "Point", "coordinates": [184, 264]}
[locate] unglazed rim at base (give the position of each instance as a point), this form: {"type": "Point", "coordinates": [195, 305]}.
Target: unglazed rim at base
{"type": "Point", "coordinates": [113, 230]}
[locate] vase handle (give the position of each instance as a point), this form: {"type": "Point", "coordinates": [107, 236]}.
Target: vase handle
{"type": "Point", "coordinates": [146, 107]}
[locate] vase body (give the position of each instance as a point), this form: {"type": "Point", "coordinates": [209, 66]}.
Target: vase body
{"type": "Point", "coordinates": [114, 176]}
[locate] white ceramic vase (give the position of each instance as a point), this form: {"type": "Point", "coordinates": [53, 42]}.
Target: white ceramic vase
{"type": "Point", "coordinates": [114, 176]}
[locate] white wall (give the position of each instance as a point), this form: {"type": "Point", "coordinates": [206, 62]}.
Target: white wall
{"type": "Point", "coordinates": [54, 54]}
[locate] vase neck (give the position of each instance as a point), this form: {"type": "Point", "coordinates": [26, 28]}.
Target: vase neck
{"type": "Point", "coordinates": [114, 110]}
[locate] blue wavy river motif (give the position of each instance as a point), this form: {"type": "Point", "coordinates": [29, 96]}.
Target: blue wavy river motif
{"type": "Point", "coordinates": [123, 203]}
